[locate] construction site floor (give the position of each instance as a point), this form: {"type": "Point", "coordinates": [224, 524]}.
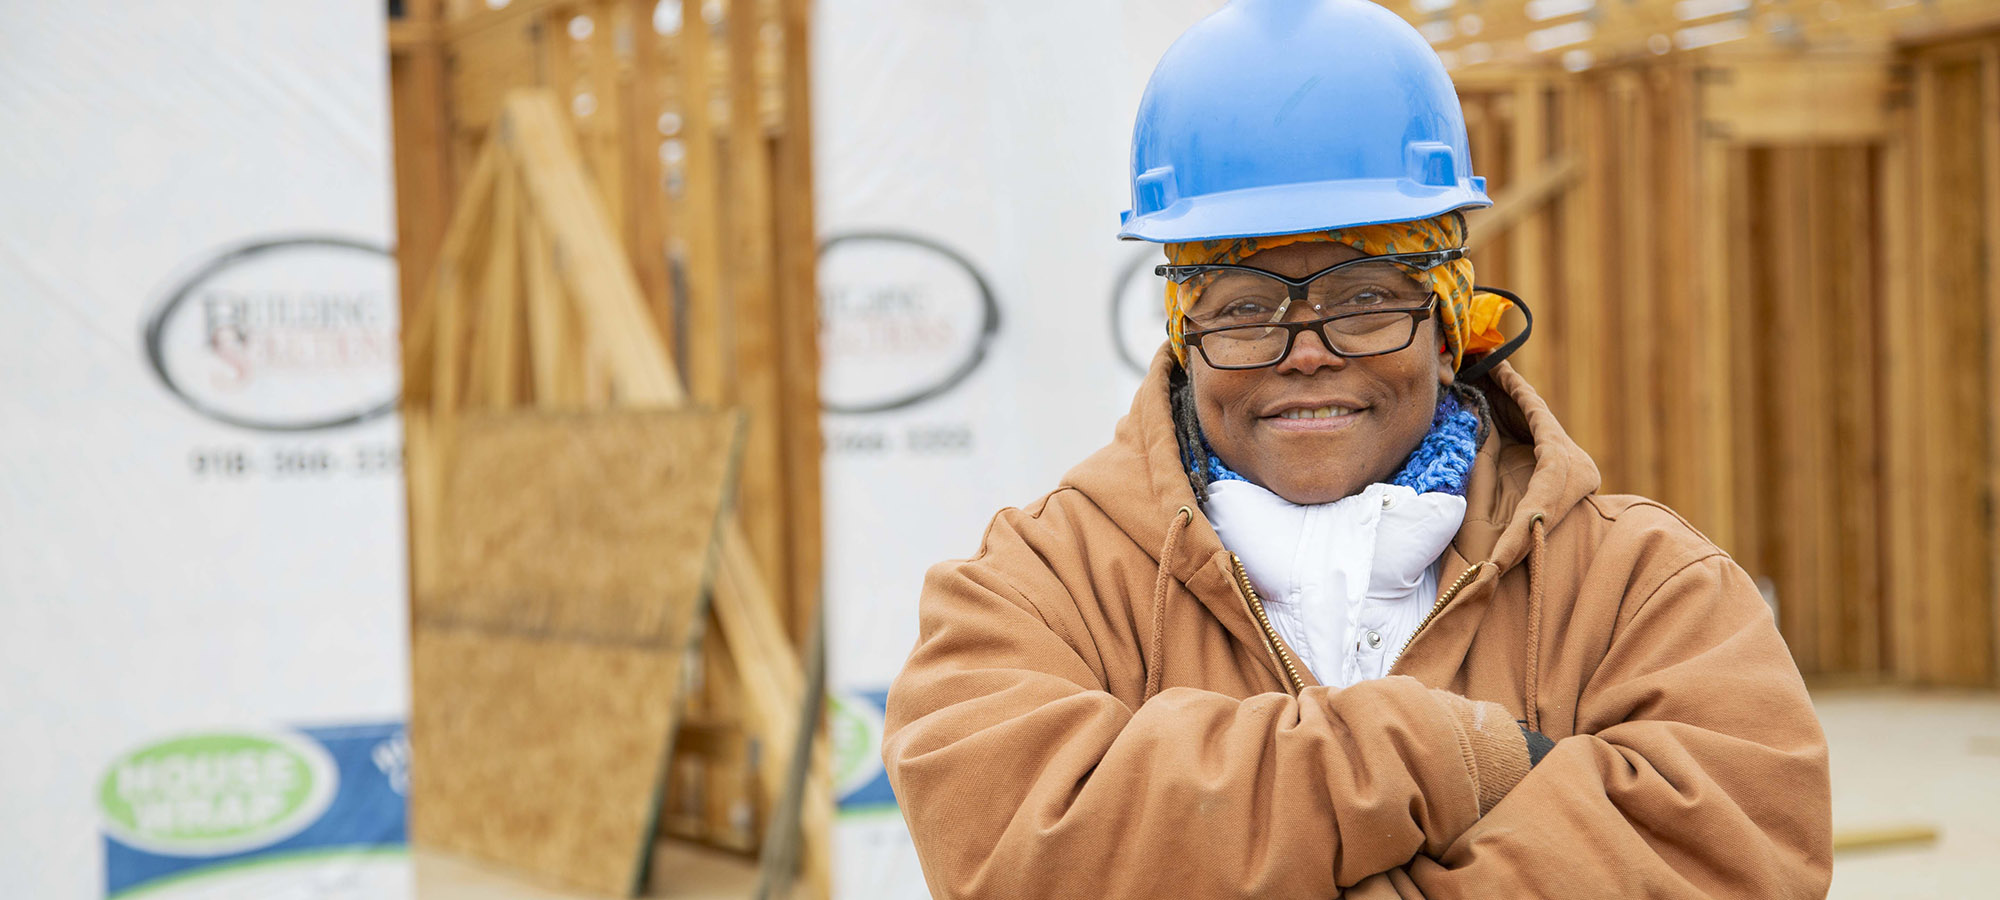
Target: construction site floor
{"type": "Point", "coordinates": [1904, 758]}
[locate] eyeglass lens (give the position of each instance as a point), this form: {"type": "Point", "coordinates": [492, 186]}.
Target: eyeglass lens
{"type": "Point", "coordinates": [1243, 304]}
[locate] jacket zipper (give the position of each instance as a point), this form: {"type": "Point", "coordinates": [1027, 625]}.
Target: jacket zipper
{"type": "Point", "coordinates": [1292, 679]}
{"type": "Point", "coordinates": [1438, 607]}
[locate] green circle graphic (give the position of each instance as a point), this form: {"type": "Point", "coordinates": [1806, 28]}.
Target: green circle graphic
{"type": "Point", "coordinates": [206, 788]}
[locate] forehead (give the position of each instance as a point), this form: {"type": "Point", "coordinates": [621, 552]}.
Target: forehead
{"type": "Point", "coordinates": [1302, 259]}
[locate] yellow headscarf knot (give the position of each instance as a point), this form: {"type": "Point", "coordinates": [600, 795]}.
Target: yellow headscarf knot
{"type": "Point", "coordinates": [1471, 319]}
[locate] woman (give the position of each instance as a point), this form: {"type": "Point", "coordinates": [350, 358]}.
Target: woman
{"type": "Point", "coordinates": [1340, 610]}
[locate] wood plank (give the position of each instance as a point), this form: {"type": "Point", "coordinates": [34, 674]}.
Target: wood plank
{"type": "Point", "coordinates": [1883, 836]}
{"type": "Point", "coordinates": [1852, 288]}
{"type": "Point", "coordinates": [1487, 134]}
{"type": "Point", "coordinates": [1523, 200]}
{"type": "Point", "coordinates": [495, 356]}
{"type": "Point", "coordinates": [604, 122]}
{"type": "Point", "coordinates": [797, 244]}
{"type": "Point", "coordinates": [550, 346]}
{"type": "Point", "coordinates": [709, 339]}
{"type": "Point", "coordinates": [588, 258]}
{"type": "Point", "coordinates": [481, 15]}
{"type": "Point", "coordinates": [484, 66]}
{"type": "Point", "coordinates": [647, 215]}
{"type": "Point", "coordinates": [421, 144]}
{"type": "Point", "coordinates": [1587, 346]}
{"type": "Point", "coordinates": [1530, 241]}
{"type": "Point", "coordinates": [422, 329]}
{"type": "Point", "coordinates": [1989, 82]}
{"type": "Point", "coordinates": [1959, 462]}
{"type": "Point", "coordinates": [1713, 455]}
{"type": "Point", "coordinates": [1814, 468]}
{"type": "Point", "coordinates": [1798, 583]}
{"type": "Point", "coordinates": [753, 298]}
{"type": "Point", "coordinates": [1684, 210]}
{"type": "Point", "coordinates": [1638, 293]}
{"type": "Point", "coordinates": [1799, 98]}
{"type": "Point", "coordinates": [1749, 348]}
{"type": "Point", "coordinates": [1933, 621]}
{"type": "Point", "coordinates": [798, 264]}
{"type": "Point", "coordinates": [1906, 580]}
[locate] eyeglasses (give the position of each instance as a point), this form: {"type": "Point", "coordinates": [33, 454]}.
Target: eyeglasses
{"type": "Point", "coordinates": [1373, 304]}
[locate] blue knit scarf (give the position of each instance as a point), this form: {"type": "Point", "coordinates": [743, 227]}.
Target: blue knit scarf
{"type": "Point", "coordinates": [1439, 465]}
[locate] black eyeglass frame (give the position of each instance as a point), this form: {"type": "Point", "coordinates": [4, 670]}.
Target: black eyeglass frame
{"type": "Point", "coordinates": [1296, 290]}
{"type": "Point", "coordinates": [1422, 262]}
{"type": "Point", "coordinates": [1417, 316]}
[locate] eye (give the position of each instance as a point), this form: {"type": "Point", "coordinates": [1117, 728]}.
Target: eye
{"type": "Point", "coordinates": [1248, 311]}
{"type": "Point", "coordinates": [1367, 295]}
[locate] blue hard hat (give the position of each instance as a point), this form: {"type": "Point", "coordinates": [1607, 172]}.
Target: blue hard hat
{"type": "Point", "coordinates": [1289, 116]}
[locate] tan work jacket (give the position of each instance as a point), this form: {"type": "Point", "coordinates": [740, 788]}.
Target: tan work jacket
{"type": "Point", "coordinates": [1096, 709]}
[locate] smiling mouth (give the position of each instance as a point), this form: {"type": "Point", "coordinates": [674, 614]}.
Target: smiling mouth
{"type": "Point", "coordinates": [1323, 412]}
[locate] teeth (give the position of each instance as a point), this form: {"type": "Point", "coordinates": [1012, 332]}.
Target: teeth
{"type": "Point", "coordinates": [1324, 412]}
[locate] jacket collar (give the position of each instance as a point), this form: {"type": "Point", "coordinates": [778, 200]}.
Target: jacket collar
{"type": "Point", "coordinates": [1138, 480]}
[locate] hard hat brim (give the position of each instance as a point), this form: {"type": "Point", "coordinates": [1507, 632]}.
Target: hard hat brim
{"type": "Point", "coordinates": [1300, 208]}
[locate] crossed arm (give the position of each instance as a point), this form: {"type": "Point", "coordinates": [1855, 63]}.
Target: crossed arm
{"type": "Point", "coordinates": [1020, 776]}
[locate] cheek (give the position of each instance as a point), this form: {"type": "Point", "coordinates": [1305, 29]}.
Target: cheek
{"type": "Point", "coordinates": [1218, 399]}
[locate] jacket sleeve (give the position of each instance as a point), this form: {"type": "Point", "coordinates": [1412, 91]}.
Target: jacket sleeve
{"type": "Point", "coordinates": [1699, 770]}
{"type": "Point", "coordinates": [1019, 775]}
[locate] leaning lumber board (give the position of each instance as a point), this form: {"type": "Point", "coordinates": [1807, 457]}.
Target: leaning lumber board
{"type": "Point", "coordinates": [588, 258]}
{"type": "Point", "coordinates": [549, 352]}
{"type": "Point", "coordinates": [1522, 199]}
{"type": "Point", "coordinates": [490, 364]}
{"type": "Point", "coordinates": [468, 222]}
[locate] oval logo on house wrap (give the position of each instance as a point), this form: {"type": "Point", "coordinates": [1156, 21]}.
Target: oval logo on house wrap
{"type": "Point", "coordinates": [290, 334]}
{"type": "Point", "coordinates": [1139, 310]}
{"type": "Point", "coordinates": [216, 793]}
{"type": "Point", "coordinates": [902, 319]}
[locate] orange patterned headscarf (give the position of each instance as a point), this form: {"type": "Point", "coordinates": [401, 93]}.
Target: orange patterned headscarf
{"type": "Point", "coordinates": [1471, 319]}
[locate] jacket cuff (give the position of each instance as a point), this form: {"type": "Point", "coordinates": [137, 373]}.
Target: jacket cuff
{"type": "Point", "coordinates": [1494, 747]}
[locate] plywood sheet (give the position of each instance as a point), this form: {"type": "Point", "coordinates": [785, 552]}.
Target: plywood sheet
{"type": "Point", "coordinates": [581, 525]}
{"type": "Point", "coordinates": [550, 657]}
{"type": "Point", "coordinates": [538, 753]}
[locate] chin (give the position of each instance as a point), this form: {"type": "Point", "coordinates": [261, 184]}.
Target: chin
{"type": "Point", "coordinates": [1314, 494]}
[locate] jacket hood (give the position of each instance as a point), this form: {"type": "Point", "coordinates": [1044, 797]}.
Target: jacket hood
{"type": "Point", "coordinates": [1528, 467]}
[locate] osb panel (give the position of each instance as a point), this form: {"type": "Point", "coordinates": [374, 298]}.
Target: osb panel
{"type": "Point", "coordinates": [586, 525]}
{"type": "Point", "coordinates": [540, 754]}
{"type": "Point", "coordinates": [550, 657]}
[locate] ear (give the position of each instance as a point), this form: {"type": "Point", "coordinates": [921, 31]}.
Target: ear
{"type": "Point", "coordinates": [1447, 373]}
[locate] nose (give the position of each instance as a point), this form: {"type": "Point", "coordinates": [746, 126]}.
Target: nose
{"type": "Point", "coordinates": [1310, 353]}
